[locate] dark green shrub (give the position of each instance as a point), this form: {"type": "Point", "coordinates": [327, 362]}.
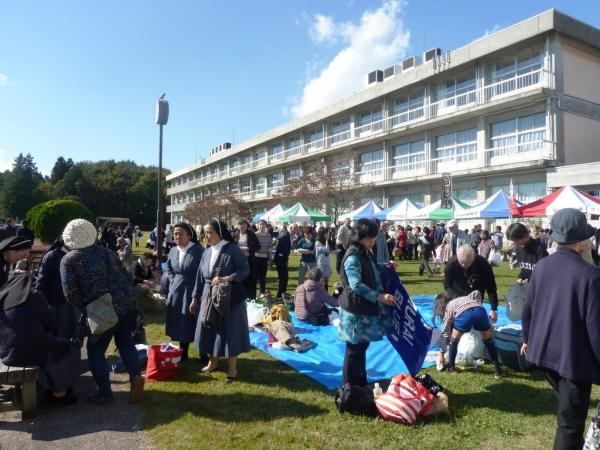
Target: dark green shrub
{"type": "Point", "coordinates": [48, 220]}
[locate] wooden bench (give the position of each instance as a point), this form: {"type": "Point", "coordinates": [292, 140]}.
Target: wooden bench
{"type": "Point", "coordinates": [25, 381]}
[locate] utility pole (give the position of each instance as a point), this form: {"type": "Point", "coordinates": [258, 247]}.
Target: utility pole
{"type": "Point", "coordinates": [161, 118]}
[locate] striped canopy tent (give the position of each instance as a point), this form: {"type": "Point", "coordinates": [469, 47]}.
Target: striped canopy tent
{"type": "Point", "coordinates": [436, 212]}
{"type": "Point", "coordinates": [301, 213]}
{"type": "Point", "coordinates": [565, 197]}
{"type": "Point", "coordinates": [367, 211]}
{"type": "Point", "coordinates": [495, 207]}
{"type": "Point", "coordinates": [271, 215]}
{"type": "Point", "coordinates": [400, 211]}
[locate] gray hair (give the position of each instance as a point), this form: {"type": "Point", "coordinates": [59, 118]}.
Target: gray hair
{"type": "Point", "coordinates": [466, 251]}
{"type": "Point", "coordinates": [315, 274]}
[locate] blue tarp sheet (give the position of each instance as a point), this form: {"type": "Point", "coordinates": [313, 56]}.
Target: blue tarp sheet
{"type": "Point", "coordinates": [324, 362]}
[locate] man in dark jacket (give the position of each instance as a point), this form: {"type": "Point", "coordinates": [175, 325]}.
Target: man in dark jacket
{"type": "Point", "coordinates": [527, 249]}
{"type": "Point", "coordinates": [469, 272]}
{"type": "Point", "coordinates": [561, 324]}
{"type": "Point", "coordinates": [282, 255]}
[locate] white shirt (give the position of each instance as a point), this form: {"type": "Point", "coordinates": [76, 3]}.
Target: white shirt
{"type": "Point", "coordinates": [214, 254]}
{"type": "Point", "coordinates": [183, 251]}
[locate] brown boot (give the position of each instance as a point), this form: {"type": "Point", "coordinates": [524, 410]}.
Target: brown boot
{"type": "Point", "coordinates": [137, 390]}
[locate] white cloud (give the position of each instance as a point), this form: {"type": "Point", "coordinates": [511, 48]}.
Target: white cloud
{"type": "Point", "coordinates": [494, 29]}
{"type": "Point", "coordinates": [377, 41]}
{"type": "Point", "coordinates": [3, 80]}
{"type": "Point", "coordinates": [6, 162]}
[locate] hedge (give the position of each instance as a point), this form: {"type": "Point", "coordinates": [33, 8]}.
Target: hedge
{"type": "Point", "coordinates": [48, 220]}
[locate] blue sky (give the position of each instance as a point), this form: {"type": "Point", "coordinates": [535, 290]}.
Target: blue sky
{"type": "Point", "coordinates": [79, 79]}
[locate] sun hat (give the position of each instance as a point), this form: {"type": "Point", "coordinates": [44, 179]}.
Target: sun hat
{"type": "Point", "coordinates": [569, 225]}
{"type": "Point", "coordinates": [79, 233]}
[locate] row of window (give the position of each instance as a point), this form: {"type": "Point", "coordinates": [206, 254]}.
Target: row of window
{"type": "Point", "coordinates": [511, 73]}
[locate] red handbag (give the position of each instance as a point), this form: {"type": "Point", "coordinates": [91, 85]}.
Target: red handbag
{"type": "Point", "coordinates": [163, 362]}
{"type": "Point", "coordinates": [405, 400]}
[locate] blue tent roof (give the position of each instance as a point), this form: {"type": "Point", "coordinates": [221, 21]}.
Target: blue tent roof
{"type": "Point", "coordinates": [495, 207]}
{"type": "Point", "coordinates": [369, 212]}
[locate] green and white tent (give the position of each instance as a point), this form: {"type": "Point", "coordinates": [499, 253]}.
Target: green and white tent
{"type": "Point", "coordinates": [436, 212]}
{"type": "Point", "coordinates": [301, 213]}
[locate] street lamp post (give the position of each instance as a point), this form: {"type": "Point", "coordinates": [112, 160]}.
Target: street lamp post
{"type": "Point", "coordinates": [161, 117]}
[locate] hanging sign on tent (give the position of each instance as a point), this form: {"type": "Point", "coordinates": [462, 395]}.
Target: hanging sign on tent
{"type": "Point", "coordinates": [446, 191]}
{"type": "Point", "coordinates": [410, 335]}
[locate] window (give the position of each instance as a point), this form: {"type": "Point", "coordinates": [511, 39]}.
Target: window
{"type": "Point", "coordinates": [277, 152]}
{"type": "Point", "coordinates": [455, 92]}
{"type": "Point", "coordinates": [246, 162]}
{"type": "Point", "coordinates": [409, 156]}
{"type": "Point", "coordinates": [519, 135]}
{"type": "Point", "coordinates": [260, 184]}
{"type": "Point", "coordinates": [408, 108]}
{"type": "Point", "coordinates": [370, 120]}
{"type": "Point", "coordinates": [294, 146]}
{"type": "Point", "coordinates": [245, 186]}
{"type": "Point", "coordinates": [371, 165]}
{"type": "Point", "coordinates": [315, 139]}
{"type": "Point", "coordinates": [468, 196]}
{"type": "Point", "coordinates": [377, 200]}
{"type": "Point", "coordinates": [234, 188]}
{"type": "Point", "coordinates": [261, 158]}
{"type": "Point", "coordinates": [277, 180]}
{"type": "Point", "coordinates": [418, 198]}
{"type": "Point", "coordinates": [294, 173]}
{"type": "Point", "coordinates": [524, 192]}
{"type": "Point", "coordinates": [233, 165]}
{"type": "Point", "coordinates": [517, 71]}
{"type": "Point", "coordinates": [456, 147]}
{"type": "Point", "coordinates": [340, 131]}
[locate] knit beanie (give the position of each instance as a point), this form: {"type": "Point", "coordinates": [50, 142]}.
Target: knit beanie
{"type": "Point", "coordinates": [79, 233]}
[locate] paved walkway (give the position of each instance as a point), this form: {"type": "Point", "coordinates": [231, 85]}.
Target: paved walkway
{"type": "Point", "coordinates": [80, 426]}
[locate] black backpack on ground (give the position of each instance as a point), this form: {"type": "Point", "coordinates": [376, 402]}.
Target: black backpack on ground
{"type": "Point", "coordinates": [430, 384]}
{"type": "Point", "coordinates": [358, 400]}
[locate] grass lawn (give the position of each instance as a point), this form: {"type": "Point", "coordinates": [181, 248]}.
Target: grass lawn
{"type": "Point", "coordinates": [274, 407]}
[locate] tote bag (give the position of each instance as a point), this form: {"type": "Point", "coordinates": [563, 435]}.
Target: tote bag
{"type": "Point", "coordinates": [101, 315]}
{"type": "Point", "coordinates": [163, 362]}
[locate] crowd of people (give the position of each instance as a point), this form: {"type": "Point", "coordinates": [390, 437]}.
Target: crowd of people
{"type": "Point", "coordinates": [207, 278]}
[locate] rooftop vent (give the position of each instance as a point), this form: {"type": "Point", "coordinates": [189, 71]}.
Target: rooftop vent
{"type": "Point", "coordinates": [375, 77]}
{"type": "Point", "coordinates": [430, 54]}
{"type": "Point", "coordinates": [391, 71]}
{"type": "Point", "coordinates": [410, 63]}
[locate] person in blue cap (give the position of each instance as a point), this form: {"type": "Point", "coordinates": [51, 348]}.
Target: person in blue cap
{"type": "Point", "coordinates": [561, 323]}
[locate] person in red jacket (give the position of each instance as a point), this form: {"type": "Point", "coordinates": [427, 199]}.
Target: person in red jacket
{"type": "Point", "coordinates": [402, 242]}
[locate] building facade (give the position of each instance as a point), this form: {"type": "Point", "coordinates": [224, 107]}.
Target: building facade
{"type": "Point", "coordinates": [521, 104]}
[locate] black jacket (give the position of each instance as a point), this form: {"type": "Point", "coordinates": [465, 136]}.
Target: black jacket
{"type": "Point", "coordinates": [561, 316]}
{"type": "Point", "coordinates": [283, 249]}
{"type": "Point", "coordinates": [49, 282]}
{"type": "Point", "coordinates": [24, 327]}
{"type": "Point", "coordinates": [528, 256]}
{"type": "Point", "coordinates": [480, 276]}
{"type": "Point", "coordinates": [139, 273]}
{"type": "Point", "coordinates": [350, 300]}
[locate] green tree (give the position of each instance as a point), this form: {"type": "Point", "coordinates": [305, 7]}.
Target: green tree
{"type": "Point", "coordinates": [60, 169]}
{"type": "Point", "coordinates": [20, 189]}
{"type": "Point", "coordinates": [48, 220]}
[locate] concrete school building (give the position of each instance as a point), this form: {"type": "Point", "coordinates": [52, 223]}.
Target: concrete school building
{"type": "Point", "coordinates": [522, 103]}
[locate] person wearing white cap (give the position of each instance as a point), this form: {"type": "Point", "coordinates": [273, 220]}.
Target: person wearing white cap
{"type": "Point", "coordinates": [88, 272]}
{"type": "Point", "coordinates": [561, 323]}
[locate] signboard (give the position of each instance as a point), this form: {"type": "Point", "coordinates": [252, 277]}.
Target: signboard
{"type": "Point", "coordinates": [410, 334]}
{"type": "Point", "coordinates": [446, 191]}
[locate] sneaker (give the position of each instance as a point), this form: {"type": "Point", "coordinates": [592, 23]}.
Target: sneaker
{"type": "Point", "coordinates": [98, 399]}
{"type": "Point", "coordinates": [137, 390]}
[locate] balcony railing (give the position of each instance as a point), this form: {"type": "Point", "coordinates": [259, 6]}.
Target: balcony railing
{"type": "Point", "coordinates": [478, 96]}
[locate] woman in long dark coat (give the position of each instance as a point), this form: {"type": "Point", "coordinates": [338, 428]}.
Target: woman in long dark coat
{"type": "Point", "coordinates": [223, 262]}
{"type": "Point", "coordinates": [182, 268]}
{"type": "Point", "coordinates": [62, 370]}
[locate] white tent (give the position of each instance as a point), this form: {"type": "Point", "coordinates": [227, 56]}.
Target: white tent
{"type": "Point", "coordinates": [272, 214]}
{"type": "Point", "coordinates": [400, 211]}
{"type": "Point", "coordinates": [366, 211]}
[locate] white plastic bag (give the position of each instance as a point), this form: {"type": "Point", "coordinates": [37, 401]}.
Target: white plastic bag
{"type": "Point", "coordinates": [255, 313]}
{"type": "Point", "coordinates": [470, 349]}
{"type": "Point", "coordinates": [495, 258]}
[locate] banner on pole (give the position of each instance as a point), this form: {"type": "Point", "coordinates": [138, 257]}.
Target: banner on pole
{"type": "Point", "coordinates": [410, 334]}
{"type": "Point", "coordinates": [446, 191]}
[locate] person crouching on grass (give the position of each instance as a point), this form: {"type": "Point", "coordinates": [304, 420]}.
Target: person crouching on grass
{"type": "Point", "coordinates": [460, 316]}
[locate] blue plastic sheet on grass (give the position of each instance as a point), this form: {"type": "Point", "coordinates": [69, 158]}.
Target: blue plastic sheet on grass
{"type": "Point", "coordinates": [323, 363]}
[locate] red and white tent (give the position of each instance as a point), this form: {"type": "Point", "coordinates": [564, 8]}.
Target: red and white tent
{"type": "Point", "coordinates": [565, 197]}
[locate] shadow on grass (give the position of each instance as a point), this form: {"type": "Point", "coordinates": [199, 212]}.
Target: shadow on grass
{"type": "Point", "coordinates": [236, 407]}
{"type": "Point", "coordinates": [507, 397]}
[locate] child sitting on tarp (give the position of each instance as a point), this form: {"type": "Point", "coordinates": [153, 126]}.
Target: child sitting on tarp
{"type": "Point", "coordinates": [460, 316]}
{"type": "Point", "coordinates": [311, 298]}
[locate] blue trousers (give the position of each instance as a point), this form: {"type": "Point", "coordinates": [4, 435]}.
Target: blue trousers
{"type": "Point", "coordinates": [96, 349]}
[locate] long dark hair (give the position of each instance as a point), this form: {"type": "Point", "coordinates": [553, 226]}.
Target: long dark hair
{"type": "Point", "coordinates": [321, 235]}
{"type": "Point", "coordinates": [441, 302]}
{"type": "Point", "coordinates": [221, 229]}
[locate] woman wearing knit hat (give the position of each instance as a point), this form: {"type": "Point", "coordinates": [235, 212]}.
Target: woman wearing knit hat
{"type": "Point", "coordinates": [88, 272]}
{"type": "Point", "coordinates": [182, 268]}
